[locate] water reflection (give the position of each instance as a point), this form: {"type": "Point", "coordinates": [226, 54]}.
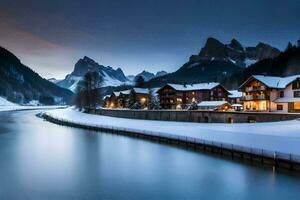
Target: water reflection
{"type": "Point", "coordinates": [40, 160]}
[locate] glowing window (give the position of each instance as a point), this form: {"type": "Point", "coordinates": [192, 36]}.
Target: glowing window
{"type": "Point", "coordinates": [297, 105]}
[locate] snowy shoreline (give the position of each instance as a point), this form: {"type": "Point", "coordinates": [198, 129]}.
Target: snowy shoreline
{"type": "Point", "coordinates": [281, 137]}
{"type": "Point", "coordinates": [6, 105]}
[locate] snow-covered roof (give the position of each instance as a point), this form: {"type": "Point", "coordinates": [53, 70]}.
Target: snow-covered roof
{"type": "Point", "coordinates": [211, 103]}
{"type": "Point", "coordinates": [106, 96]}
{"type": "Point", "coordinates": [141, 90]}
{"type": "Point", "coordinates": [125, 91]}
{"type": "Point", "coordinates": [287, 100]}
{"type": "Point", "coordinates": [274, 81]}
{"type": "Point", "coordinates": [237, 105]}
{"type": "Point", "coordinates": [235, 94]}
{"type": "Point", "coordinates": [154, 91]}
{"type": "Point", "coordinates": [198, 86]}
{"type": "Point", "coordinates": [117, 93]}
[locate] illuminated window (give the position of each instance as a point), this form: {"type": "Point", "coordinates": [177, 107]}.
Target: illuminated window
{"type": "Point", "coordinates": [143, 100]}
{"type": "Point", "coordinates": [179, 99]}
{"type": "Point", "coordinates": [297, 105]}
{"type": "Point", "coordinates": [193, 93]}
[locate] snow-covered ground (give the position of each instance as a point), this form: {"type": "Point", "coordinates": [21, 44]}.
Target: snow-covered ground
{"type": "Point", "coordinates": [274, 136]}
{"type": "Point", "coordinates": [6, 105]}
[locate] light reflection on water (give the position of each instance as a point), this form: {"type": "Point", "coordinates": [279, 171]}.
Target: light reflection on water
{"type": "Point", "coordinates": [40, 160]}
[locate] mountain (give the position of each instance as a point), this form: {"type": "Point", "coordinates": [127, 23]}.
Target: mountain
{"type": "Point", "coordinates": [20, 84]}
{"type": "Point", "coordinates": [235, 52]}
{"type": "Point", "coordinates": [53, 80]}
{"type": "Point", "coordinates": [146, 75]}
{"type": "Point", "coordinates": [111, 77]}
{"type": "Point", "coordinates": [160, 73]}
{"type": "Point", "coordinates": [286, 63]}
{"type": "Point", "coordinates": [195, 72]}
{"type": "Point", "coordinates": [216, 61]}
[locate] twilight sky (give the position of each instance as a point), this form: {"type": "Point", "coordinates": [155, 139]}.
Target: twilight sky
{"type": "Point", "coordinates": [50, 36]}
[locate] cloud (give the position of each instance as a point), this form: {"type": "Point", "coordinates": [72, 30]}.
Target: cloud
{"type": "Point", "coordinates": [43, 56]}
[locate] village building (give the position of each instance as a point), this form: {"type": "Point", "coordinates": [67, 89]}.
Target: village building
{"type": "Point", "coordinates": [176, 96]}
{"type": "Point", "coordinates": [214, 105]}
{"type": "Point", "coordinates": [141, 95]}
{"type": "Point", "coordinates": [124, 99]}
{"type": "Point", "coordinates": [269, 93]}
{"type": "Point", "coordinates": [235, 97]}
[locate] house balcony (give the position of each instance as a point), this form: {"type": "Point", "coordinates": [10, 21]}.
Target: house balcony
{"type": "Point", "coordinates": [255, 88]}
{"type": "Point", "coordinates": [258, 97]}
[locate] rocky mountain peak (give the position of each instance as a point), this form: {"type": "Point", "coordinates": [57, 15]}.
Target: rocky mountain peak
{"type": "Point", "coordinates": [234, 52]}
{"type": "Point", "coordinates": [236, 45]}
{"type": "Point", "coordinates": [160, 73]}
{"type": "Point", "coordinates": [84, 65]}
{"type": "Point", "coordinates": [213, 49]}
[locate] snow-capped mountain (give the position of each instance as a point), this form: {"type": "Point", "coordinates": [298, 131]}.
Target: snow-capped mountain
{"type": "Point", "coordinates": [234, 52]}
{"type": "Point", "coordinates": [146, 75]}
{"type": "Point", "coordinates": [53, 80]}
{"type": "Point", "coordinates": [111, 77]}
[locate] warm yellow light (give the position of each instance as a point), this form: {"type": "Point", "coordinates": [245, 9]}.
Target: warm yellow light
{"type": "Point", "coordinates": [143, 100]}
{"type": "Point", "coordinates": [178, 106]}
{"type": "Point", "coordinates": [179, 99]}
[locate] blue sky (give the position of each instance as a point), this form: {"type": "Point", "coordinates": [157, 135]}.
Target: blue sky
{"type": "Point", "coordinates": [50, 36]}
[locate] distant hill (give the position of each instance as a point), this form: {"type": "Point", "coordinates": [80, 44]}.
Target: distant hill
{"type": "Point", "coordinates": [285, 64]}
{"type": "Point", "coordinates": [20, 84]}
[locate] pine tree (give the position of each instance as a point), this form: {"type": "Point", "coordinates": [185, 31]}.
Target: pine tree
{"type": "Point", "coordinates": [289, 46]}
{"type": "Point", "coordinates": [153, 101]}
{"type": "Point", "coordinates": [133, 100]}
{"type": "Point", "coordinates": [139, 82]}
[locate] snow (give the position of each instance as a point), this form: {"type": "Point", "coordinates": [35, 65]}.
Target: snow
{"type": "Point", "coordinates": [117, 93]}
{"type": "Point", "coordinates": [6, 105]}
{"type": "Point", "coordinates": [249, 62]}
{"type": "Point", "coordinates": [212, 103]}
{"type": "Point", "coordinates": [193, 65]}
{"type": "Point", "coordinates": [4, 102]}
{"type": "Point", "coordinates": [75, 80]}
{"type": "Point", "coordinates": [233, 61]}
{"type": "Point", "coordinates": [126, 92]}
{"type": "Point", "coordinates": [237, 105]}
{"type": "Point", "coordinates": [276, 82]}
{"type": "Point", "coordinates": [199, 86]}
{"type": "Point", "coordinates": [141, 90]}
{"type": "Point", "coordinates": [109, 81]}
{"type": "Point", "coordinates": [287, 100]}
{"type": "Point", "coordinates": [274, 136]}
{"type": "Point", "coordinates": [235, 94]}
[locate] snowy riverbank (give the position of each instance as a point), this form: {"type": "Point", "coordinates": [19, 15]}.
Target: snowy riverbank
{"type": "Point", "coordinates": [275, 136]}
{"type": "Point", "coordinates": [6, 105]}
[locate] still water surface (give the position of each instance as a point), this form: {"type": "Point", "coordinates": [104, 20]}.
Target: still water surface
{"type": "Point", "coordinates": [40, 160]}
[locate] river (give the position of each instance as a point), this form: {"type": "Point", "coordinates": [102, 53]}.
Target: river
{"type": "Point", "coordinates": [40, 160]}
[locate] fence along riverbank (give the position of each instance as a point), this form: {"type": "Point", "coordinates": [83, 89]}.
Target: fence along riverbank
{"type": "Point", "coordinates": [275, 159]}
{"type": "Point", "coordinates": [197, 115]}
